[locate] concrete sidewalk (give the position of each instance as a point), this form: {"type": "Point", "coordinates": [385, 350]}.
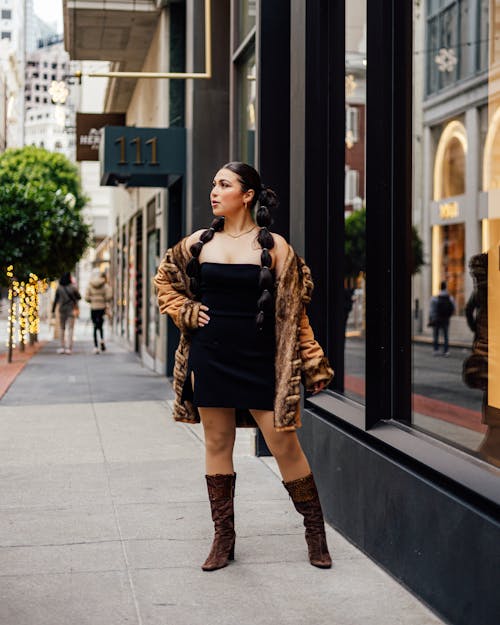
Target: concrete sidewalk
{"type": "Point", "coordinates": [105, 519]}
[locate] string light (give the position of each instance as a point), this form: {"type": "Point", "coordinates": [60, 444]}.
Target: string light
{"type": "Point", "coordinates": [24, 298]}
{"type": "Point", "coordinates": [22, 308]}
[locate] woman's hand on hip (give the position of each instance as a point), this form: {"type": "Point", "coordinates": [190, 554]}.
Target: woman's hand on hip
{"type": "Point", "coordinates": [319, 386]}
{"type": "Point", "coordinates": [203, 318]}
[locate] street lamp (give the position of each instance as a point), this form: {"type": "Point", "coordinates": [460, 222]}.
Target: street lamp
{"type": "Point", "coordinates": [59, 93]}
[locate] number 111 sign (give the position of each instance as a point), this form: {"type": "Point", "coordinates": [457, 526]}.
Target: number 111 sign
{"type": "Point", "coordinates": [142, 157]}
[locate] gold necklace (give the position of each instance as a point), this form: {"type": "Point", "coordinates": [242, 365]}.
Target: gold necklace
{"type": "Point", "coordinates": [237, 236]}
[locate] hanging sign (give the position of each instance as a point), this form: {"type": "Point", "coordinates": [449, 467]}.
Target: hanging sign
{"type": "Point", "coordinates": [88, 132]}
{"type": "Point", "coordinates": [142, 157]}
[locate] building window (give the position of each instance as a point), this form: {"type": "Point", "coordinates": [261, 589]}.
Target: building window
{"type": "Point", "coordinates": [6, 35]}
{"type": "Point", "coordinates": [246, 110]}
{"type": "Point", "coordinates": [245, 16]}
{"type": "Point", "coordinates": [483, 7]}
{"type": "Point", "coordinates": [453, 51]}
{"type": "Point", "coordinates": [6, 14]}
{"type": "Point", "coordinates": [351, 186]}
{"type": "Point", "coordinates": [354, 279]}
{"type": "Point", "coordinates": [449, 163]}
{"type": "Point", "coordinates": [351, 123]}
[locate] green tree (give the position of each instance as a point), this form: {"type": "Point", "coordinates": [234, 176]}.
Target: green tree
{"type": "Point", "coordinates": [355, 245]}
{"type": "Point", "coordinates": [42, 230]}
{"type": "Point", "coordinates": [40, 213]}
{"type": "Point", "coordinates": [22, 230]}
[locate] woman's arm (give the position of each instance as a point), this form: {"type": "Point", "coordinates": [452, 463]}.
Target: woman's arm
{"type": "Point", "coordinates": [280, 252]}
{"type": "Point", "coordinates": [186, 313]}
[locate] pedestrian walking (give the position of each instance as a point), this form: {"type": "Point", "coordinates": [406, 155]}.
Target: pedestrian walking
{"type": "Point", "coordinates": [66, 299]}
{"type": "Point", "coordinates": [99, 295]}
{"type": "Point", "coordinates": [238, 294]}
{"type": "Point", "coordinates": [441, 309]}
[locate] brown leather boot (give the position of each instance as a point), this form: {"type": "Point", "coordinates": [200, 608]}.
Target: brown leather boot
{"type": "Point", "coordinates": [221, 495]}
{"type": "Point", "coordinates": [305, 498]}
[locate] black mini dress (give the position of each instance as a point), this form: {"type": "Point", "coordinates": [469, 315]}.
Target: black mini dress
{"type": "Point", "coordinates": [232, 360]}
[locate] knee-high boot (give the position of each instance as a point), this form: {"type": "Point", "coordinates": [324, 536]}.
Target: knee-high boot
{"type": "Point", "coordinates": [305, 498]}
{"type": "Point", "coordinates": [221, 495]}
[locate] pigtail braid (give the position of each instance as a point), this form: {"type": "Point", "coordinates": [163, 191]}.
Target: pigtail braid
{"type": "Point", "coordinates": [265, 303]}
{"type": "Point", "coordinates": [193, 266]}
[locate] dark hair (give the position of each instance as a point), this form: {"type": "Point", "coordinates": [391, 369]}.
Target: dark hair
{"type": "Point", "coordinates": [65, 279]}
{"type": "Point", "coordinates": [249, 179]}
{"type": "Point", "coordinates": [443, 285]}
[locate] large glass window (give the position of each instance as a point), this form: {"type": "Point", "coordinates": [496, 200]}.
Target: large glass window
{"type": "Point", "coordinates": [152, 323]}
{"type": "Point", "coordinates": [354, 200]}
{"type": "Point", "coordinates": [245, 84]}
{"type": "Point", "coordinates": [245, 16]}
{"type": "Point", "coordinates": [456, 280]}
{"type": "Point", "coordinates": [246, 110]}
{"type": "Point", "coordinates": [456, 41]}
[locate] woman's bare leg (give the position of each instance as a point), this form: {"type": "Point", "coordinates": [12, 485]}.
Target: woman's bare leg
{"type": "Point", "coordinates": [284, 446]}
{"type": "Point", "coordinates": [219, 426]}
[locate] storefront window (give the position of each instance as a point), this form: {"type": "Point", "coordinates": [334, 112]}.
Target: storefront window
{"type": "Point", "coordinates": [152, 327]}
{"type": "Point", "coordinates": [354, 200]}
{"type": "Point", "coordinates": [456, 283]}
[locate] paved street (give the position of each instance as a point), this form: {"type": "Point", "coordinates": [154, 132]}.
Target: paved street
{"type": "Point", "coordinates": [105, 520]}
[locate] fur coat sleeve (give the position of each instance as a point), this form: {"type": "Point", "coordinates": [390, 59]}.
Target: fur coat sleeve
{"type": "Point", "coordinates": [174, 297]}
{"type": "Point", "coordinates": [314, 364]}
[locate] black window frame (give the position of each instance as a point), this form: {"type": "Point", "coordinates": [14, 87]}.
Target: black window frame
{"type": "Point", "coordinates": [385, 419]}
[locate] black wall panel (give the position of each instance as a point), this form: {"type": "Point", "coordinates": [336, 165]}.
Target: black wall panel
{"type": "Point", "coordinates": [444, 550]}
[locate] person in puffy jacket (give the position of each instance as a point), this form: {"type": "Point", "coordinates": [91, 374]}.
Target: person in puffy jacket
{"type": "Point", "coordinates": [98, 295]}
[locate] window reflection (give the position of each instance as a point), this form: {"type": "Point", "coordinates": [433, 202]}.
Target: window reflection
{"type": "Point", "coordinates": [247, 86]}
{"type": "Point", "coordinates": [456, 199]}
{"type": "Point", "coordinates": [246, 10]}
{"type": "Point", "coordinates": [354, 200]}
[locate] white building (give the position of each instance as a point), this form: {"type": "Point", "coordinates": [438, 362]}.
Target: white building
{"type": "Point", "coordinates": [45, 129]}
{"type": "Point", "coordinates": [12, 58]}
{"type": "Point", "coordinates": [50, 114]}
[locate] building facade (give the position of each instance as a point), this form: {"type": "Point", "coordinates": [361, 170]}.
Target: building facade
{"type": "Point", "coordinates": [405, 446]}
{"type": "Point", "coordinates": [12, 59]}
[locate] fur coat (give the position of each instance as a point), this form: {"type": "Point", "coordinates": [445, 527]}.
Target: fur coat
{"type": "Point", "coordinates": [298, 355]}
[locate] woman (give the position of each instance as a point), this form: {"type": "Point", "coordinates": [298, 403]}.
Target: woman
{"type": "Point", "coordinates": [98, 295]}
{"type": "Point", "coordinates": [238, 295]}
{"type": "Point", "coordinates": [67, 296]}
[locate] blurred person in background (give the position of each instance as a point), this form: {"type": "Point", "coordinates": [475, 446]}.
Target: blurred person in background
{"type": "Point", "coordinates": [66, 298]}
{"type": "Point", "coordinates": [99, 296]}
{"type": "Point", "coordinates": [441, 310]}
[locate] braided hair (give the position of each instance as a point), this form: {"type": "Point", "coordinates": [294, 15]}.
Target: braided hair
{"type": "Point", "coordinates": [193, 266]}
{"type": "Point", "coordinates": [266, 198]}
